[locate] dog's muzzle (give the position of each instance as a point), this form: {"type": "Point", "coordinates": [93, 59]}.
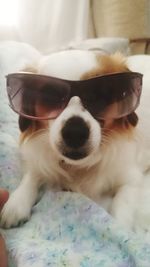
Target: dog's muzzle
{"type": "Point", "coordinates": [75, 134]}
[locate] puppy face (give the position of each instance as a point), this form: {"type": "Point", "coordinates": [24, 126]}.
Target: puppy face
{"type": "Point", "coordinates": [75, 136]}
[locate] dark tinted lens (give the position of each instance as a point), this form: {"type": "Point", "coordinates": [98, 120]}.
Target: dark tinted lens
{"type": "Point", "coordinates": [51, 98]}
{"type": "Point", "coordinates": [95, 98]}
{"type": "Point", "coordinates": [112, 96]}
{"type": "Point", "coordinates": [37, 96]}
{"type": "Point", "coordinates": [43, 97]}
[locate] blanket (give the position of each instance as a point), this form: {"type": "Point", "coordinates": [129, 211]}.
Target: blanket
{"type": "Point", "coordinates": [66, 229]}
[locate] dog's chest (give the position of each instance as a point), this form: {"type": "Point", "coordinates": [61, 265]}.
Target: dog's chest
{"type": "Point", "coordinates": [91, 182]}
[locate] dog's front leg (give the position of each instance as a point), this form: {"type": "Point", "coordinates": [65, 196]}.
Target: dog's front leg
{"type": "Point", "coordinates": [126, 199]}
{"type": "Point", "coordinates": [18, 207]}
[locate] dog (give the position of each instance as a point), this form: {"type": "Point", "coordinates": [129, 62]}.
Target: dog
{"type": "Point", "coordinates": [103, 158]}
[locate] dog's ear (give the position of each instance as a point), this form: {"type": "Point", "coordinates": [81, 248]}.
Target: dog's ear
{"type": "Point", "coordinates": [24, 123]}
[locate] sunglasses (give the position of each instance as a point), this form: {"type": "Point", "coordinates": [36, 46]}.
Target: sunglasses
{"type": "Point", "coordinates": [41, 97]}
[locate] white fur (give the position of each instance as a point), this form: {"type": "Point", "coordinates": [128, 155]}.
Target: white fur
{"type": "Point", "coordinates": [114, 169]}
{"type": "Point", "coordinates": [72, 64]}
{"type": "Point", "coordinates": [75, 108]}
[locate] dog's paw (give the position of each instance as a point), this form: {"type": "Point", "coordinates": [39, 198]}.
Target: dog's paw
{"type": "Point", "coordinates": [15, 212]}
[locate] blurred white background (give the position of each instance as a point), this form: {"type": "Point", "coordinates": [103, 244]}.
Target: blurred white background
{"type": "Point", "coordinates": [51, 25]}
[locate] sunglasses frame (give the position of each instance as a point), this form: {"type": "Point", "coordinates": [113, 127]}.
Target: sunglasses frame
{"type": "Point", "coordinates": [72, 84]}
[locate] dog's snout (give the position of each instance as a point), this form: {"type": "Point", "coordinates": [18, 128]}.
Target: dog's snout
{"type": "Point", "coordinates": [75, 132]}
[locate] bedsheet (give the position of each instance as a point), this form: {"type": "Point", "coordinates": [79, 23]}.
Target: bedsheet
{"type": "Point", "coordinates": [66, 229]}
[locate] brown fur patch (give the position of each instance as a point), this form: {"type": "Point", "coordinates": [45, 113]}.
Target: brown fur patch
{"type": "Point", "coordinates": [34, 127]}
{"type": "Point", "coordinates": [107, 64]}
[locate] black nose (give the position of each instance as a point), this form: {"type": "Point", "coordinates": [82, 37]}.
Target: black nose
{"type": "Point", "coordinates": [75, 132]}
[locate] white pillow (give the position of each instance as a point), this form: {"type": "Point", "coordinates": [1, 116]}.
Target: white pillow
{"type": "Point", "coordinates": [15, 56]}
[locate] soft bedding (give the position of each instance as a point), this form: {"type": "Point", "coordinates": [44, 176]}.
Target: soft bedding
{"type": "Point", "coordinates": [66, 229]}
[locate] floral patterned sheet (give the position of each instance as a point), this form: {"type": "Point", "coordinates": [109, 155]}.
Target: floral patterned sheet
{"type": "Point", "coordinates": [65, 229]}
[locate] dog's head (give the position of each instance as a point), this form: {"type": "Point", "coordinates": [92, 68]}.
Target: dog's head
{"type": "Point", "coordinates": [76, 134]}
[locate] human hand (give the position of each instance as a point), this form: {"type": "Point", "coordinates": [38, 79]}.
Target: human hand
{"type": "Point", "coordinates": [4, 195]}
